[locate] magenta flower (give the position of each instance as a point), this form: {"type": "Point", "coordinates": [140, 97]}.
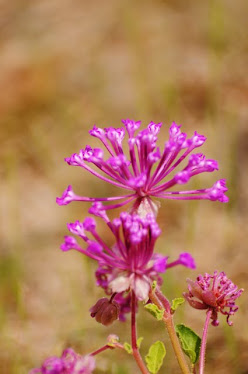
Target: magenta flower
{"type": "Point", "coordinates": [145, 171]}
{"type": "Point", "coordinates": [130, 263]}
{"type": "Point", "coordinates": [213, 292]}
{"type": "Point", "coordinates": [69, 363]}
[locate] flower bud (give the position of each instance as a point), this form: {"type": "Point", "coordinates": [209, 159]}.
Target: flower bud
{"type": "Point", "coordinates": [105, 311]}
{"type": "Point", "coordinates": [112, 339]}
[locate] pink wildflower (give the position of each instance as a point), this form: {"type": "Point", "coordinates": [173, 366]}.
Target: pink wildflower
{"type": "Point", "coordinates": [130, 263]}
{"type": "Point", "coordinates": [69, 363]}
{"type": "Point", "coordinates": [145, 171]}
{"type": "Point", "coordinates": [213, 292]}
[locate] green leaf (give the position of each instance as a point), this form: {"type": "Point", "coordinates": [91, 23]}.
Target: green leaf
{"type": "Point", "coordinates": [176, 302]}
{"type": "Point", "coordinates": [128, 348]}
{"type": "Point", "coordinates": [139, 341]}
{"type": "Point", "coordinates": [155, 357]}
{"type": "Point", "coordinates": [190, 342]}
{"type": "Point", "coordinates": [154, 285]}
{"type": "Point", "coordinates": [155, 311]}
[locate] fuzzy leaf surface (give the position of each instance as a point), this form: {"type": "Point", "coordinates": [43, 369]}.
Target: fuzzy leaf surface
{"type": "Point", "coordinates": [139, 341]}
{"type": "Point", "coordinates": [155, 357]}
{"type": "Point", "coordinates": [190, 342]}
{"type": "Point", "coordinates": [155, 311]}
{"type": "Point", "coordinates": [128, 348]}
{"type": "Point", "coordinates": [177, 302]}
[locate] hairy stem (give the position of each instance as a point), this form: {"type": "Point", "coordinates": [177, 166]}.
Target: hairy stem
{"type": "Point", "coordinates": [162, 303]}
{"type": "Point", "coordinates": [176, 345]}
{"type": "Point", "coordinates": [136, 353]}
{"type": "Point", "coordinates": [101, 350]}
{"type": "Point", "coordinates": [105, 347]}
{"type": "Point", "coordinates": [204, 342]}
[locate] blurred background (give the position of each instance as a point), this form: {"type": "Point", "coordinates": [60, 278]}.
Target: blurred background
{"type": "Point", "coordinates": [66, 65]}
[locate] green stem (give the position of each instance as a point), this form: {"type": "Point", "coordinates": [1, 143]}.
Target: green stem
{"type": "Point", "coordinates": [169, 324]}
{"type": "Point", "coordinates": [176, 345]}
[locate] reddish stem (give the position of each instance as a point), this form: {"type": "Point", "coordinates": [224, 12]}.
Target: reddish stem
{"type": "Point", "coordinates": [101, 350]}
{"type": "Point", "coordinates": [204, 342]}
{"type": "Point", "coordinates": [112, 297]}
{"type": "Point", "coordinates": [136, 353]}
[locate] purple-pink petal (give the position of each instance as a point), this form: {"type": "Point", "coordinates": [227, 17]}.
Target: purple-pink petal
{"type": "Point", "coordinates": [69, 243]}
{"type": "Point", "coordinates": [187, 260]}
{"type": "Point", "coordinates": [67, 196]}
{"type": "Point", "coordinates": [76, 228]}
{"type": "Point", "coordinates": [89, 224]}
{"type": "Point", "coordinates": [160, 263]}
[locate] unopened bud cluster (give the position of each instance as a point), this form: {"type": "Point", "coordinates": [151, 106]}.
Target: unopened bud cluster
{"type": "Point", "coordinates": [105, 311]}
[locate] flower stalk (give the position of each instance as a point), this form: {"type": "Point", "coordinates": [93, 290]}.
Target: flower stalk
{"type": "Point", "coordinates": [100, 350]}
{"type": "Point", "coordinates": [136, 353]}
{"type": "Point", "coordinates": [204, 342]}
{"type": "Point", "coordinates": [169, 324]}
{"type": "Point", "coordinates": [162, 303]}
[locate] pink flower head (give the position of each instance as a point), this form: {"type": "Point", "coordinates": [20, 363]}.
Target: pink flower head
{"type": "Point", "coordinates": [145, 170]}
{"type": "Point", "coordinates": [130, 263]}
{"type": "Point", "coordinates": [69, 363]}
{"type": "Point", "coordinates": [213, 292]}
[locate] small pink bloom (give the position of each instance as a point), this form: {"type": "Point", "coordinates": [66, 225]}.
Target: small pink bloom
{"type": "Point", "coordinates": [69, 363]}
{"type": "Point", "coordinates": [213, 292]}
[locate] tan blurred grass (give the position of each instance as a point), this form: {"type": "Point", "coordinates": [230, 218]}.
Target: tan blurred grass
{"type": "Point", "coordinates": [66, 65]}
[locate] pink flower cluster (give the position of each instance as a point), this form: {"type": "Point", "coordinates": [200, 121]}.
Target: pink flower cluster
{"type": "Point", "coordinates": [146, 170]}
{"type": "Point", "coordinates": [130, 263]}
{"type": "Point", "coordinates": [69, 363]}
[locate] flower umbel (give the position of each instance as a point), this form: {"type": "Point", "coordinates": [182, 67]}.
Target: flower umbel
{"type": "Point", "coordinates": [130, 263]}
{"type": "Point", "coordinates": [213, 292]}
{"type": "Point", "coordinates": [146, 171]}
{"type": "Point", "coordinates": [69, 363]}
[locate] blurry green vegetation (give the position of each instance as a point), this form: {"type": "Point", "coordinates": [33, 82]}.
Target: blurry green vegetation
{"type": "Point", "coordinates": [10, 287]}
{"type": "Point", "coordinates": [66, 66]}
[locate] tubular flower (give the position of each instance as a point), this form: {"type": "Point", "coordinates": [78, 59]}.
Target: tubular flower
{"type": "Point", "coordinates": [213, 292]}
{"type": "Point", "coordinates": [69, 363]}
{"type": "Point", "coordinates": [130, 263]}
{"type": "Point", "coordinates": [145, 171]}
